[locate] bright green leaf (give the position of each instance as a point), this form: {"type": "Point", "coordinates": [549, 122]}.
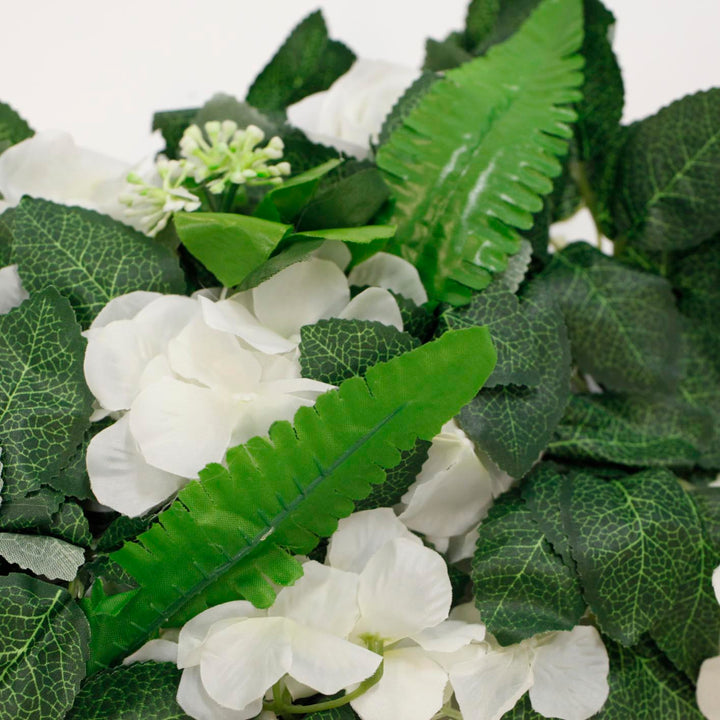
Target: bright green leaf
{"type": "Point", "coordinates": [405, 103]}
{"type": "Point", "coordinates": [230, 246]}
{"type": "Point", "coordinates": [54, 559]}
{"type": "Point", "coordinates": [89, 258]}
{"type": "Point", "coordinates": [362, 235]}
{"type": "Point", "coordinates": [44, 648]}
{"type": "Point", "coordinates": [473, 158]}
{"type": "Point", "coordinates": [13, 129]}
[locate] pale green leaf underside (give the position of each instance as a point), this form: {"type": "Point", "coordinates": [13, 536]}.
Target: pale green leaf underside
{"type": "Point", "coordinates": [48, 556]}
{"type": "Point", "coordinates": [230, 534]}
{"type": "Point", "coordinates": [470, 163]}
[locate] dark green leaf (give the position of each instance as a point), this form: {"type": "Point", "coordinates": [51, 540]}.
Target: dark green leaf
{"type": "Point", "coordinates": [13, 129]}
{"type": "Point", "coordinates": [511, 16]}
{"type": "Point", "coordinates": [227, 107]}
{"type": "Point", "coordinates": [72, 479]}
{"type": "Point", "coordinates": [89, 258]}
{"type": "Point", "coordinates": [41, 555]}
{"type": "Point", "coordinates": [631, 430]}
{"type": "Point", "coordinates": [345, 712]}
{"type": "Point", "coordinates": [334, 350]}
{"type": "Point", "coordinates": [6, 236]}
{"type": "Point", "coordinates": [124, 528]}
{"type": "Point", "coordinates": [418, 320]}
{"type": "Point", "coordinates": [405, 103]}
{"type": "Point", "coordinates": [44, 401]}
{"type": "Point", "coordinates": [140, 691]}
{"type": "Point", "coordinates": [499, 310]}
{"type": "Point", "coordinates": [635, 542]}
{"type": "Point", "coordinates": [623, 324]}
{"type": "Point", "coordinates": [69, 523]}
{"type": "Point", "coordinates": [482, 16]}
{"type": "Point", "coordinates": [44, 648]}
{"type": "Point", "coordinates": [172, 124]}
{"type": "Point", "coordinates": [34, 510]}
{"type": "Point", "coordinates": [521, 586]}
{"type": "Point", "coordinates": [696, 276]}
{"type": "Point", "coordinates": [230, 246]}
{"type": "Point", "coordinates": [295, 253]}
{"type": "Point", "coordinates": [307, 62]}
{"type": "Point", "coordinates": [471, 161]}
{"type": "Point", "coordinates": [645, 686]}
{"type": "Point", "coordinates": [445, 55]}
{"type": "Point", "coordinates": [665, 196]}
{"type": "Point", "coordinates": [514, 424]}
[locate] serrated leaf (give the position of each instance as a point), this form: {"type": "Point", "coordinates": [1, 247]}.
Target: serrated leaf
{"type": "Point", "coordinates": [69, 523]}
{"type": "Point", "coordinates": [511, 16]}
{"type": "Point", "coordinates": [463, 188]}
{"type": "Point", "coordinates": [482, 15]}
{"type": "Point", "coordinates": [13, 129]}
{"type": "Point", "coordinates": [645, 686]}
{"type": "Point", "coordinates": [34, 510]}
{"type": "Point", "coordinates": [123, 528]}
{"type": "Point", "coordinates": [404, 104]}
{"type": "Point", "coordinates": [7, 219]}
{"type": "Point", "coordinates": [230, 246]}
{"type": "Point", "coordinates": [696, 277]}
{"type": "Point", "coordinates": [665, 194]}
{"type": "Point", "coordinates": [521, 586]}
{"type": "Point", "coordinates": [334, 350]}
{"type": "Point", "coordinates": [42, 660]}
{"type": "Point", "coordinates": [45, 404]}
{"type": "Point", "coordinates": [514, 424]}
{"type": "Point", "coordinates": [499, 310]}
{"type": "Point", "coordinates": [297, 252]}
{"type": "Point", "coordinates": [89, 258]}
{"type": "Point", "coordinates": [631, 430]}
{"type": "Point", "coordinates": [445, 55]}
{"type": "Point", "coordinates": [517, 267]}
{"type": "Point", "coordinates": [137, 691]}
{"type": "Point", "coordinates": [634, 541]}
{"type": "Point", "coordinates": [280, 495]}
{"type": "Point", "coordinates": [307, 62]}
{"type": "Point", "coordinates": [622, 323]}
{"type": "Point", "coordinates": [54, 559]}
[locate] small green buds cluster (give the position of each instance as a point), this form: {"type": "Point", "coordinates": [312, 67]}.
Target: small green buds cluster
{"type": "Point", "coordinates": [225, 155]}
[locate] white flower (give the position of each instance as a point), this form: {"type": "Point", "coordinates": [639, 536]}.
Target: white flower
{"type": "Point", "coordinates": [12, 292]}
{"type": "Point", "coordinates": [708, 684]}
{"type": "Point", "coordinates": [350, 114]}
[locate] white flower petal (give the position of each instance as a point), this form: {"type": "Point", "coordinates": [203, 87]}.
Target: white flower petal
{"type": "Point", "coordinates": [259, 413]}
{"type": "Point", "coordinates": [336, 252]}
{"type": "Point", "coordinates": [165, 317]}
{"type": "Point", "coordinates": [193, 698]}
{"type": "Point", "coordinates": [374, 304]}
{"type": "Point", "coordinates": [301, 295]}
{"type": "Point", "coordinates": [489, 686]}
{"type": "Point", "coordinates": [462, 547]}
{"type": "Point", "coordinates": [323, 598]}
{"type": "Point", "coordinates": [124, 307]}
{"type": "Point", "coordinates": [119, 475]}
{"type": "Point", "coordinates": [570, 670]}
{"type": "Point", "coordinates": [328, 663]}
{"type": "Point", "coordinates": [195, 631]}
{"type": "Point", "coordinates": [716, 582]}
{"type": "Point", "coordinates": [411, 688]}
{"type": "Point", "coordinates": [240, 663]}
{"type": "Point", "coordinates": [392, 273]}
{"type": "Point", "coordinates": [449, 636]}
{"type": "Point", "coordinates": [157, 650]}
{"type": "Point", "coordinates": [12, 292]}
{"type": "Point", "coordinates": [180, 427]}
{"type": "Point", "coordinates": [708, 688]}
{"type": "Point", "coordinates": [394, 579]}
{"type": "Point", "coordinates": [361, 535]}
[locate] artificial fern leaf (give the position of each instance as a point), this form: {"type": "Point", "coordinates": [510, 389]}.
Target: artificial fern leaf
{"type": "Point", "coordinates": [234, 532]}
{"type": "Point", "coordinates": [471, 161]}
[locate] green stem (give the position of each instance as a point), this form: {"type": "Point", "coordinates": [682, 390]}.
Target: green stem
{"type": "Point", "coordinates": [210, 199]}
{"type": "Point", "coordinates": [229, 199]}
{"type": "Point", "coordinates": [448, 712]}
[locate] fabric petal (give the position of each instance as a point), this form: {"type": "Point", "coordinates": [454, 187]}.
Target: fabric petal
{"type": "Point", "coordinates": [193, 698]}
{"type": "Point", "coordinates": [119, 475]}
{"type": "Point", "coordinates": [328, 663]}
{"type": "Point", "coordinates": [570, 670]}
{"type": "Point", "coordinates": [180, 428]}
{"type": "Point", "coordinates": [392, 273]}
{"type": "Point", "coordinates": [240, 663]}
{"type": "Point", "coordinates": [257, 414]}
{"type": "Point", "coordinates": [323, 598]}
{"type": "Point", "coordinates": [336, 252]}
{"type": "Point", "coordinates": [361, 535]}
{"type": "Point", "coordinates": [374, 304]}
{"type": "Point", "coordinates": [449, 636]}
{"type": "Point", "coordinates": [708, 688]}
{"type": "Point", "coordinates": [716, 582]}
{"type": "Point", "coordinates": [12, 292]}
{"type": "Point", "coordinates": [490, 685]}
{"type": "Point", "coordinates": [195, 631]}
{"type": "Point", "coordinates": [411, 688]}
{"type": "Point", "coordinates": [301, 295]}
{"type": "Point", "coordinates": [399, 574]}
{"type": "Point", "coordinates": [157, 650]}
{"type": "Point", "coordinates": [124, 307]}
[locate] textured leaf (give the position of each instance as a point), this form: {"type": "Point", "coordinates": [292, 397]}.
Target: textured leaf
{"type": "Point", "coordinates": [405, 103]}
{"type": "Point", "coordinates": [645, 686]}
{"type": "Point", "coordinates": [89, 258]}
{"type": "Point", "coordinates": [44, 401]}
{"type": "Point", "coordinates": [230, 246]}
{"type": "Point", "coordinates": [344, 712]}
{"type": "Point", "coordinates": [295, 253]}
{"type": "Point", "coordinates": [481, 18]}
{"type": "Point", "coordinates": [665, 196]}
{"type": "Point", "coordinates": [307, 62]}
{"type": "Point", "coordinates": [123, 528]}
{"type": "Point", "coordinates": [13, 129]}
{"type": "Point", "coordinates": [34, 510]}
{"type": "Point", "coordinates": [7, 219]}
{"type": "Point", "coordinates": [334, 350]}
{"type": "Point", "coordinates": [55, 559]}
{"type": "Point", "coordinates": [42, 658]}
{"type": "Point", "coordinates": [72, 479]}
{"type": "Point", "coordinates": [517, 268]}
{"type": "Point", "coordinates": [623, 324]}
{"type": "Point", "coordinates": [521, 586]}
{"type": "Point", "coordinates": [515, 342]}
{"type": "Point", "coordinates": [69, 523]}
{"type": "Point", "coordinates": [696, 276]}
{"type": "Point", "coordinates": [635, 542]}
{"type": "Point", "coordinates": [631, 430]}
{"type": "Point", "coordinates": [473, 158]}
{"type": "Point", "coordinates": [514, 424]}
{"type": "Point", "coordinates": [140, 691]}
{"type": "Point", "coordinates": [279, 495]}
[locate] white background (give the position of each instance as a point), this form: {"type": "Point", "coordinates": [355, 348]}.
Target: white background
{"type": "Point", "coordinates": [99, 68]}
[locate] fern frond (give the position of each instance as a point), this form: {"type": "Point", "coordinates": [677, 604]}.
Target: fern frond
{"type": "Point", "coordinates": [234, 533]}
{"type": "Point", "coordinates": [471, 161]}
